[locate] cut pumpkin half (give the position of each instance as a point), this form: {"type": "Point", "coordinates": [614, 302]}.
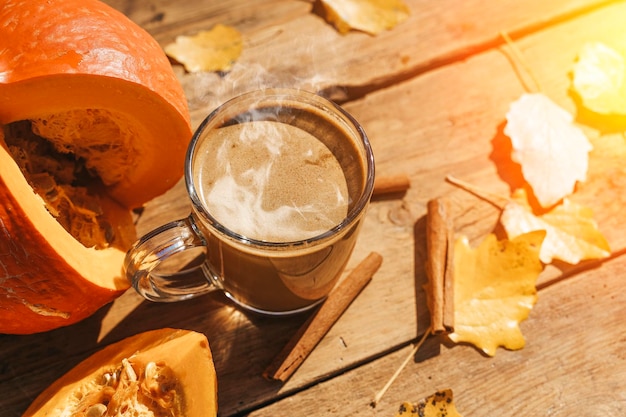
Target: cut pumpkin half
{"type": "Point", "coordinates": [93, 123]}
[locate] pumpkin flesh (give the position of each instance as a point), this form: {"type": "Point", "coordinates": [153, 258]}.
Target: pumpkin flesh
{"type": "Point", "coordinates": [70, 186]}
{"type": "Point", "coordinates": [98, 90]}
{"type": "Point", "coordinates": [160, 373]}
{"type": "Point", "coordinates": [42, 285]}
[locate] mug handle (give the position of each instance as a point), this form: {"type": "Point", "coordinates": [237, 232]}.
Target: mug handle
{"type": "Point", "coordinates": [144, 257]}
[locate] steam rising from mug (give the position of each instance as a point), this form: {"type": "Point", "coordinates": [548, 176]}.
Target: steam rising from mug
{"type": "Point", "coordinates": [272, 182]}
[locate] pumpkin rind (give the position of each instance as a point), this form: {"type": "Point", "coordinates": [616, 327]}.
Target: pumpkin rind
{"type": "Point", "coordinates": [65, 56]}
{"type": "Point", "coordinates": [62, 55]}
{"type": "Point", "coordinates": [186, 353]}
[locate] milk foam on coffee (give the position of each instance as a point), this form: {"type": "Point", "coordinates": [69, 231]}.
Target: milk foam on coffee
{"type": "Point", "coordinates": [271, 181]}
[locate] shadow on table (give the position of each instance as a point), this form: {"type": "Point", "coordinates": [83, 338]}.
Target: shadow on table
{"type": "Point", "coordinates": [30, 363]}
{"type": "Point", "coordinates": [242, 346]}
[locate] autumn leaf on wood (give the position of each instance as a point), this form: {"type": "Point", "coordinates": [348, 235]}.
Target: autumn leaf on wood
{"type": "Point", "coordinates": [494, 290]}
{"type": "Point", "coordinates": [439, 404]}
{"type": "Point", "coordinates": [213, 50]}
{"type": "Point", "coordinates": [370, 16]}
{"type": "Point", "coordinates": [552, 151]}
{"type": "Point", "coordinates": [599, 79]}
{"type": "Point", "coordinates": [572, 234]}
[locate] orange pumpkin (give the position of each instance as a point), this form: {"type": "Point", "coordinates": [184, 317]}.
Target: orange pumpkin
{"type": "Point", "coordinates": [93, 123]}
{"type": "Point", "coordinates": [166, 372]}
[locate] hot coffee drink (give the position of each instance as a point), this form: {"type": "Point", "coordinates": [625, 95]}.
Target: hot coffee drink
{"type": "Point", "coordinates": [272, 182]}
{"type": "Point", "coordinates": [283, 181]}
{"type": "Point", "coordinates": [279, 181]}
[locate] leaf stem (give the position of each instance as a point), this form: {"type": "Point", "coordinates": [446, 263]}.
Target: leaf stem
{"type": "Point", "coordinates": [521, 60]}
{"type": "Point", "coordinates": [382, 392]}
{"type": "Point", "coordinates": [496, 200]}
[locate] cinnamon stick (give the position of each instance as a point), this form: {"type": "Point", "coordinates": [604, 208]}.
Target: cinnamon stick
{"type": "Point", "coordinates": [314, 329]}
{"type": "Point", "coordinates": [391, 184]}
{"type": "Point", "coordinates": [439, 266]}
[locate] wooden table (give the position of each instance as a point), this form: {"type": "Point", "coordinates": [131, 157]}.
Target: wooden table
{"type": "Point", "coordinates": [432, 95]}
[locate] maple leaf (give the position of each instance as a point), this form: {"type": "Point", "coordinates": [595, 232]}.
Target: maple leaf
{"type": "Point", "coordinates": [213, 50]}
{"type": "Point", "coordinates": [370, 16]}
{"type": "Point", "coordinates": [598, 78]}
{"type": "Point", "coordinates": [494, 290]}
{"type": "Point", "coordinates": [439, 404]}
{"type": "Point", "coordinates": [572, 234]}
{"type": "Point", "coordinates": [551, 150]}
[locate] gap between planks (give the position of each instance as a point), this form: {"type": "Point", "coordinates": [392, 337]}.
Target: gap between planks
{"type": "Point", "coordinates": [357, 92]}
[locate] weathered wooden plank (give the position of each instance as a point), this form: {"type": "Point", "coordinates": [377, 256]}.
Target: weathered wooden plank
{"type": "Point", "coordinates": [457, 130]}
{"type": "Point", "coordinates": [289, 43]}
{"type": "Point", "coordinates": [447, 120]}
{"type": "Point", "coordinates": [450, 121]}
{"type": "Point", "coordinates": [573, 364]}
{"type": "Point", "coordinates": [168, 18]}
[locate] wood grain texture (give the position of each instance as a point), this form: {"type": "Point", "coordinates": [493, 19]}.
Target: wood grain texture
{"type": "Point", "coordinates": [566, 368]}
{"type": "Point", "coordinates": [288, 43]}
{"type": "Point", "coordinates": [432, 95]}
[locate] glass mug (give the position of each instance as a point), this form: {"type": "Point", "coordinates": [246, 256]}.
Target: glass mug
{"type": "Point", "coordinates": [279, 182]}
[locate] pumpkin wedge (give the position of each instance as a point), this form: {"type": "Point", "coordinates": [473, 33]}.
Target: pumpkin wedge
{"type": "Point", "coordinates": [93, 123]}
{"type": "Point", "coordinates": [165, 372]}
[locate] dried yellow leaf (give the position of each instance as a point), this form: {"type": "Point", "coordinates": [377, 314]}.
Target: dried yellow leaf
{"type": "Point", "coordinates": [214, 50]}
{"type": "Point", "coordinates": [572, 235]}
{"type": "Point", "coordinates": [440, 404]}
{"type": "Point", "coordinates": [370, 16]}
{"type": "Point", "coordinates": [494, 290]}
{"type": "Point", "coordinates": [599, 78]}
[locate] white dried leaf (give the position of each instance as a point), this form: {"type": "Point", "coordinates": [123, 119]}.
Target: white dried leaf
{"type": "Point", "coordinates": [551, 150]}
